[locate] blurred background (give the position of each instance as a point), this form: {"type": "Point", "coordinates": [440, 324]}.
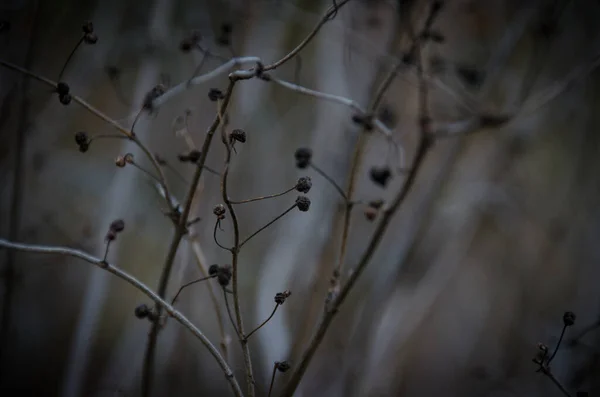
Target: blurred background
{"type": "Point", "coordinates": [495, 242]}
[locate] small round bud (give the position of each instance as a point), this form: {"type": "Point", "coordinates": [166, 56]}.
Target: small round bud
{"type": "Point", "coordinates": [371, 213]}
{"type": "Point", "coordinates": [238, 135]}
{"type": "Point", "coordinates": [153, 94]}
{"type": "Point", "coordinates": [569, 319]}
{"type": "Point", "coordinates": [194, 156]}
{"type": "Point", "coordinates": [219, 211]}
{"type": "Point", "coordinates": [65, 99]}
{"type": "Point", "coordinates": [117, 226]}
{"type": "Point", "coordinates": [81, 138]}
{"type": "Point", "coordinates": [88, 27]}
{"type": "Point", "coordinates": [120, 162]}
{"type": "Point", "coordinates": [304, 184]}
{"type": "Point", "coordinates": [380, 175]}
{"type": "Point", "coordinates": [303, 157]}
{"type": "Point", "coordinates": [224, 275]}
{"type": "Point", "coordinates": [213, 270]}
{"type": "Point", "coordinates": [90, 38]}
{"type": "Point", "coordinates": [283, 366]}
{"type": "Point", "coordinates": [303, 203]}
{"type": "Point", "coordinates": [128, 158]}
{"type": "Point", "coordinates": [142, 311]}
{"type": "Point", "coordinates": [62, 88]}
{"type": "Point", "coordinates": [280, 297]}
{"type": "Point", "coordinates": [214, 94]}
{"type": "Point", "coordinates": [84, 147]}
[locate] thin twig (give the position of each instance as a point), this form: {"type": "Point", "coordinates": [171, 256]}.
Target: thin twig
{"type": "Point", "coordinates": [170, 310]}
{"type": "Point", "coordinates": [267, 225]}
{"type": "Point", "coordinates": [272, 379]}
{"type": "Point", "coordinates": [262, 197]}
{"type": "Point", "coordinates": [264, 322]}
{"type": "Point", "coordinates": [62, 71]}
{"type": "Point", "coordinates": [562, 334]}
{"type": "Point", "coordinates": [230, 315]}
{"type": "Point", "coordinates": [148, 367]}
{"type": "Point", "coordinates": [188, 284]}
{"type": "Point", "coordinates": [330, 180]}
{"type": "Point", "coordinates": [215, 237]}
{"type": "Point", "coordinates": [546, 371]}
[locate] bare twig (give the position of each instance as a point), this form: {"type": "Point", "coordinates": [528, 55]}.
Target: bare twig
{"type": "Point", "coordinates": [266, 226]}
{"type": "Point", "coordinates": [262, 197]}
{"type": "Point", "coordinates": [216, 239]}
{"type": "Point", "coordinates": [170, 310]}
{"type": "Point", "coordinates": [330, 180]}
{"type": "Point", "coordinates": [188, 284]}
{"type": "Point", "coordinates": [264, 322]}
{"type": "Point", "coordinates": [272, 379]}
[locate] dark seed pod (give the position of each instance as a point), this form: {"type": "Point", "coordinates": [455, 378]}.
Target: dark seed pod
{"type": "Point", "coordinates": [303, 157]}
{"type": "Point", "coordinates": [142, 311]}
{"type": "Point", "coordinates": [304, 184]}
{"type": "Point", "coordinates": [117, 225]}
{"type": "Point", "coordinates": [194, 156]}
{"type": "Point", "coordinates": [380, 175]}
{"type": "Point", "coordinates": [224, 276]}
{"type": "Point", "coordinates": [120, 162]}
{"type": "Point", "coordinates": [214, 94]}
{"type": "Point", "coordinates": [219, 211]}
{"type": "Point", "coordinates": [90, 38]}
{"type": "Point", "coordinates": [303, 203]}
{"type": "Point", "coordinates": [62, 88]}
{"type": "Point", "coordinates": [238, 135]}
{"type": "Point", "coordinates": [88, 27]}
{"type": "Point", "coordinates": [81, 138]}
{"type": "Point", "coordinates": [280, 297]}
{"type": "Point", "coordinates": [213, 270]}
{"type": "Point", "coordinates": [65, 99]}
{"type": "Point", "coordinates": [283, 366]}
{"type": "Point", "coordinates": [84, 147]}
{"type": "Point", "coordinates": [569, 319]}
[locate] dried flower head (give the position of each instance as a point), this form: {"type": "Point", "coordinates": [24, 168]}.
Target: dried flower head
{"type": "Point", "coordinates": [303, 203]}
{"type": "Point", "coordinates": [128, 158]}
{"type": "Point", "coordinates": [214, 94]}
{"type": "Point", "coordinates": [282, 366]}
{"type": "Point", "coordinates": [238, 135]}
{"type": "Point", "coordinates": [280, 297]}
{"type": "Point", "coordinates": [224, 275]}
{"type": "Point", "coordinates": [120, 162]}
{"type": "Point", "coordinates": [65, 99]}
{"type": "Point", "coordinates": [152, 95]}
{"type": "Point", "coordinates": [81, 138]}
{"type": "Point", "coordinates": [303, 157]}
{"type": "Point", "coordinates": [569, 319]}
{"type": "Point", "coordinates": [213, 270]}
{"type": "Point", "coordinates": [117, 225]}
{"type": "Point", "coordinates": [90, 38]}
{"type": "Point", "coordinates": [380, 175]}
{"type": "Point", "coordinates": [142, 311]}
{"type": "Point", "coordinates": [219, 211]}
{"type": "Point", "coordinates": [62, 88]}
{"type": "Point", "coordinates": [87, 27]}
{"type": "Point", "coordinates": [304, 184]}
{"type": "Point", "coordinates": [84, 147]}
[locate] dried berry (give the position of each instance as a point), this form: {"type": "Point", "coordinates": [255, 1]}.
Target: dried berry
{"type": "Point", "coordinates": [213, 270]}
{"type": "Point", "coordinates": [117, 226]}
{"type": "Point", "coordinates": [81, 138]}
{"type": "Point", "coordinates": [88, 27]}
{"type": "Point", "coordinates": [224, 275]}
{"type": "Point", "coordinates": [214, 94]}
{"type": "Point", "coordinates": [371, 213]}
{"type": "Point", "coordinates": [62, 88]}
{"type": "Point", "coordinates": [569, 319]}
{"type": "Point", "coordinates": [84, 147]}
{"type": "Point", "coordinates": [304, 184]}
{"type": "Point", "coordinates": [219, 211]}
{"type": "Point", "coordinates": [380, 175]}
{"type": "Point", "coordinates": [90, 38]}
{"type": "Point", "coordinates": [303, 203]}
{"type": "Point", "coordinates": [128, 158]}
{"type": "Point", "coordinates": [152, 95]}
{"type": "Point", "coordinates": [65, 99]}
{"type": "Point", "coordinates": [280, 297]}
{"type": "Point", "coordinates": [283, 366]}
{"type": "Point", "coordinates": [110, 236]}
{"type": "Point", "coordinates": [303, 157]}
{"type": "Point", "coordinates": [238, 135]}
{"type": "Point", "coordinates": [142, 311]}
{"type": "Point", "coordinates": [120, 162]}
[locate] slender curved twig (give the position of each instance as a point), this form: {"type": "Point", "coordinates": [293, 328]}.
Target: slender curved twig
{"type": "Point", "coordinates": [264, 322]}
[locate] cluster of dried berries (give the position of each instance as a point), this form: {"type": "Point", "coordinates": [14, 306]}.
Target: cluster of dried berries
{"type": "Point", "coordinates": [193, 156]}
{"type": "Point", "coordinates": [114, 229]}
{"type": "Point", "coordinates": [280, 297]}
{"type": "Point", "coordinates": [63, 90]}
{"type": "Point", "coordinates": [222, 273]}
